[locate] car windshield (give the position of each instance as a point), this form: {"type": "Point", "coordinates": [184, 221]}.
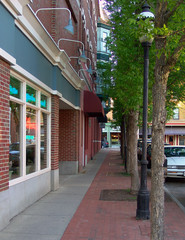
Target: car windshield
{"type": "Point", "coordinates": [174, 151]}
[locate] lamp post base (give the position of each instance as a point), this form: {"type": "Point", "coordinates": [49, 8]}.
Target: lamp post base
{"type": "Point", "coordinates": [143, 212]}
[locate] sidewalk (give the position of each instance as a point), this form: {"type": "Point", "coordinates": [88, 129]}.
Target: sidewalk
{"type": "Point", "coordinates": [83, 208]}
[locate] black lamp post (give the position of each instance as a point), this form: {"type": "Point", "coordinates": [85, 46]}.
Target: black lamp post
{"type": "Point", "coordinates": [143, 212]}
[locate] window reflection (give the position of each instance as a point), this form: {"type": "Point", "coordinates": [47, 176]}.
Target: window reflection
{"type": "Point", "coordinates": [15, 88]}
{"type": "Point", "coordinates": [14, 150]}
{"type": "Point", "coordinates": [30, 95]}
{"type": "Point", "coordinates": [44, 101]}
{"type": "Point", "coordinates": [31, 127]}
{"type": "Point", "coordinates": [43, 142]}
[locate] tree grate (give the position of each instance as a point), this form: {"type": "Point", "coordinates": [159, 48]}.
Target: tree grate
{"type": "Point", "coordinates": [115, 174]}
{"type": "Point", "coordinates": [117, 195]}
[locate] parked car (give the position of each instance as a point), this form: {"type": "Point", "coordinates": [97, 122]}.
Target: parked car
{"type": "Point", "coordinates": [14, 154]}
{"type": "Point", "coordinates": [149, 148]}
{"type": "Point", "coordinates": [105, 144]}
{"type": "Point", "coordinates": [175, 156]}
{"type": "Point", "coordinates": [139, 148]}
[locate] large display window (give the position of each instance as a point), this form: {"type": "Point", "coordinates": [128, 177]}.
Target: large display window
{"type": "Point", "coordinates": [29, 129]}
{"type": "Point", "coordinates": [14, 149]}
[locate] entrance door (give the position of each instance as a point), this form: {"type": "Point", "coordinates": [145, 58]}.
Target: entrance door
{"type": "Point", "coordinates": [171, 140]}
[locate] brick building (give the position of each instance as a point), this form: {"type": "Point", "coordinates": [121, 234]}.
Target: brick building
{"type": "Point", "coordinates": [175, 127]}
{"type": "Point", "coordinates": [48, 107]}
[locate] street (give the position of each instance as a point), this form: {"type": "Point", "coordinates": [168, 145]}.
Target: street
{"type": "Point", "coordinates": [176, 186]}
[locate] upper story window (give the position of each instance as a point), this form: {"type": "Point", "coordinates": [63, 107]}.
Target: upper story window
{"type": "Point", "coordinates": [105, 35]}
{"type": "Point", "coordinates": [176, 114]}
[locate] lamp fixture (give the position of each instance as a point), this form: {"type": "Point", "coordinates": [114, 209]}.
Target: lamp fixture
{"type": "Point", "coordinates": [82, 57]}
{"type": "Point", "coordinates": [69, 27]}
{"type": "Point", "coordinates": [146, 13]}
{"type": "Point", "coordinates": [84, 70]}
{"type": "Point", "coordinates": [89, 70]}
{"type": "Point", "coordinates": [90, 67]}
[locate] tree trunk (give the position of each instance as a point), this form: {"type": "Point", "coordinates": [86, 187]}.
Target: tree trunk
{"type": "Point", "coordinates": [122, 142]}
{"type": "Point", "coordinates": [128, 149]}
{"type": "Point", "coordinates": [158, 128]}
{"type": "Point", "coordinates": [132, 150]}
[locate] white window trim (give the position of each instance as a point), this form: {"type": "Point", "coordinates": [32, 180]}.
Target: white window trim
{"type": "Point", "coordinates": [36, 107]}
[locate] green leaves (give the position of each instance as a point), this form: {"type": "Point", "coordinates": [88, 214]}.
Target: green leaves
{"type": "Point", "coordinates": [123, 79]}
{"type": "Point", "coordinates": [123, 76]}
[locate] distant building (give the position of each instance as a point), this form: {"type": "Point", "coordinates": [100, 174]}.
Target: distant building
{"type": "Point", "coordinates": [175, 128]}
{"type": "Point", "coordinates": [112, 134]}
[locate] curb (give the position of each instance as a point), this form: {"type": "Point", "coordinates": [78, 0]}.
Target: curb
{"type": "Point", "coordinates": [169, 193]}
{"type": "Point", "coordinates": [175, 200]}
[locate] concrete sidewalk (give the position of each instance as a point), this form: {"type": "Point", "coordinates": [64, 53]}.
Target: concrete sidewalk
{"type": "Point", "coordinates": [86, 207]}
{"type": "Point", "coordinates": [48, 218]}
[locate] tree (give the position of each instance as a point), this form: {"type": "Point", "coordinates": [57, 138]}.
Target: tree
{"type": "Point", "coordinates": [125, 79]}
{"type": "Point", "coordinates": [169, 43]}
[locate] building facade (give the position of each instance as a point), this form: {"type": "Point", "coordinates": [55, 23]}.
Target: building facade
{"type": "Point", "coordinates": [109, 132]}
{"type": "Point", "coordinates": [175, 127]}
{"type": "Point", "coordinates": [48, 123]}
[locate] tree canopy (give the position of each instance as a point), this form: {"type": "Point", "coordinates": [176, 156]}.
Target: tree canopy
{"type": "Point", "coordinates": [123, 77]}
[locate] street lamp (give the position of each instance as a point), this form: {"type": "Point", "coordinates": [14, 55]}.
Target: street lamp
{"type": "Point", "coordinates": [143, 194]}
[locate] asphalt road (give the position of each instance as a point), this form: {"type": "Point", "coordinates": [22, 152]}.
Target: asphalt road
{"type": "Point", "coordinates": [176, 187]}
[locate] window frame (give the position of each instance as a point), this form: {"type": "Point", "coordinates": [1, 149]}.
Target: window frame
{"type": "Point", "coordinates": [23, 105]}
{"type": "Point", "coordinates": [175, 113]}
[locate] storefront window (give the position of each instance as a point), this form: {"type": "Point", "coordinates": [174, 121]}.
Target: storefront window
{"type": "Point", "coordinates": [31, 127]}
{"type": "Point", "coordinates": [115, 138]}
{"type": "Point", "coordinates": [43, 102]}
{"type": "Point", "coordinates": [43, 140]}
{"type": "Point", "coordinates": [15, 88]}
{"type": "Point", "coordinates": [181, 140]}
{"type": "Point", "coordinates": [30, 95]}
{"type": "Point", "coordinates": [14, 149]}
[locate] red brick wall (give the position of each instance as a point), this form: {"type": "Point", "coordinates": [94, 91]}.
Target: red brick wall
{"type": "Point", "coordinates": [54, 132]}
{"type": "Point", "coordinates": [4, 124]}
{"type": "Point", "coordinates": [91, 25]}
{"type": "Point", "coordinates": [69, 135]}
{"type": "Point", "coordinates": [81, 142]}
{"type": "Point", "coordinates": [55, 21]}
{"type": "Point", "coordinates": [92, 137]}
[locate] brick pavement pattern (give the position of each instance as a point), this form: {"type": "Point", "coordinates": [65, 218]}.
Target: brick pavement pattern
{"type": "Point", "coordinates": [112, 220]}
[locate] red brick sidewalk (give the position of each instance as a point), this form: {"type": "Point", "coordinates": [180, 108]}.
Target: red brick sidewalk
{"type": "Point", "coordinates": [112, 220]}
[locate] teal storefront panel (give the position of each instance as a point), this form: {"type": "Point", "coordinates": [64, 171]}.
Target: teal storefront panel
{"type": "Point", "coordinates": [7, 31]}
{"type": "Point", "coordinates": [69, 93]}
{"type": "Point", "coordinates": [32, 60]}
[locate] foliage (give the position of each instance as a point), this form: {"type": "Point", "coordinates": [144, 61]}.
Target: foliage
{"type": "Point", "coordinates": [123, 76]}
